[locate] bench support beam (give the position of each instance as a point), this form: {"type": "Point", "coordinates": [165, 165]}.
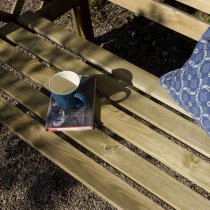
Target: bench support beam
{"type": "Point", "coordinates": [80, 14]}
{"type": "Point", "coordinates": [82, 20]}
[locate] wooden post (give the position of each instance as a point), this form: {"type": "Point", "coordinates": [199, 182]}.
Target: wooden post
{"type": "Point", "coordinates": [16, 10]}
{"type": "Point", "coordinates": [44, 3]}
{"type": "Point", "coordinates": [56, 8]}
{"type": "Point", "coordinates": [82, 21]}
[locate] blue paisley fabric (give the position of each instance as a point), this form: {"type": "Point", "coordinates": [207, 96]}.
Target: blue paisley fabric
{"type": "Point", "coordinates": [190, 85]}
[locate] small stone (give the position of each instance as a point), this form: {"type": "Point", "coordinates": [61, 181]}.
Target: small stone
{"type": "Point", "coordinates": [19, 166]}
{"type": "Point", "coordinates": [133, 34]}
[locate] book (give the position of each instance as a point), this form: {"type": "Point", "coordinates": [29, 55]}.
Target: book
{"type": "Point", "coordinates": [79, 119]}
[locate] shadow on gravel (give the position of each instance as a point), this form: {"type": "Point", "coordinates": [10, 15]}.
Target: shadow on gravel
{"type": "Point", "coordinates": [49, 189]}
{"type": "Point", "coordinates": [32, 181]}
{"type": "Point", "coordinates": [40, 186]}
{"type": "Point", "coordinates": [148, 45]}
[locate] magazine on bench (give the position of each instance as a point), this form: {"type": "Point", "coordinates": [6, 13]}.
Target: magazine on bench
{"type": "Point", "coordinates": [59, 119]}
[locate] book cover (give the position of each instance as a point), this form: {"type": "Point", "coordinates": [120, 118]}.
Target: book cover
{"type": "Point", "coordinates": [59, 119]}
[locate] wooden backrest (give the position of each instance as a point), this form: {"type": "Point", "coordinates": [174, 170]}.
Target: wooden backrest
{"type": "Point", "coordinates": [170, 16]}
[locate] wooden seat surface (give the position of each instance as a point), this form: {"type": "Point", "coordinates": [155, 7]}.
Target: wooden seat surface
{"type": "Point", "coordinates": [28, 46]}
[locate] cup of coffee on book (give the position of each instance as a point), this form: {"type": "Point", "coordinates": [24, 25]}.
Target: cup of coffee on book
{"type": "Point", "coordinates": [64, 89]}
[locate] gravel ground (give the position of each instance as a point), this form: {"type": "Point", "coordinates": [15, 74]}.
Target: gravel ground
{"type": "Point", "coordinates": [27, 179]}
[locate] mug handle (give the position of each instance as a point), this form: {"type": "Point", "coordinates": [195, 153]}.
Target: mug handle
{"type": "Point", "coordinates": [82, 101]}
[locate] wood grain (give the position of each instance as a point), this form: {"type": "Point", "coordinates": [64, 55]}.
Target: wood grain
{"type": "Point", "coordinates": [202, 5]}
{"type": "Point", "coordinates": [17, 7]}
{"type": "Point", "coordinates": [72, 161]}
{"type": "Point", "coordinates": [161, 117]}
{"type": "Point", "coordinates": [56, 8]}
{"type": "Point", "coordinates": [100, 57]}
{"type": "Point", "coordinates": [88, 172]}
{"type": "Point", "coordinates": [166, 15]}
{"type": "Point", "coordinates": [111, 151]}
{"type": "Point", "coordinates": [82, 21]}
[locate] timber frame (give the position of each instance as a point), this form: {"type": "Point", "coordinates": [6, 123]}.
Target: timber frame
{"type": "Point", "coordinates": [52, 9]}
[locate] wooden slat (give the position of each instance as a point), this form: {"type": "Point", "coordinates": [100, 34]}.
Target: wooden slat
{"type": "Point", "coordinates": [202, 5]}
{"type": "Point", "coordinates": [100, 57]}
{"type": "Point", "coordinates": [42, 4]}
{"type": "Point", "coordinates": [167, 16]}
{"type": "Point", "coordinates": [140, 170]}
{"type": "Point", "coordinates": [17, 7]}
{"type": "Point", "coordinates": [160, 117]}
{"type": "Point", "coordinates": [179, 159]}
{"type": "Point", "coordinates": [198, 140]}
{"type": "Point", "coordinates": [82, 21]}
{"type": "Point", "coordinates": [72, 161]}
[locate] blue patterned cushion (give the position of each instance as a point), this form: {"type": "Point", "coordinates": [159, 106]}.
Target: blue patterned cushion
{"type": "Point", "coordinates": [190, 85]}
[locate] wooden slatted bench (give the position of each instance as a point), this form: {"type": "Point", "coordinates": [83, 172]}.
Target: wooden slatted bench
{"type": "Point", "coordinates": [120, 114]}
